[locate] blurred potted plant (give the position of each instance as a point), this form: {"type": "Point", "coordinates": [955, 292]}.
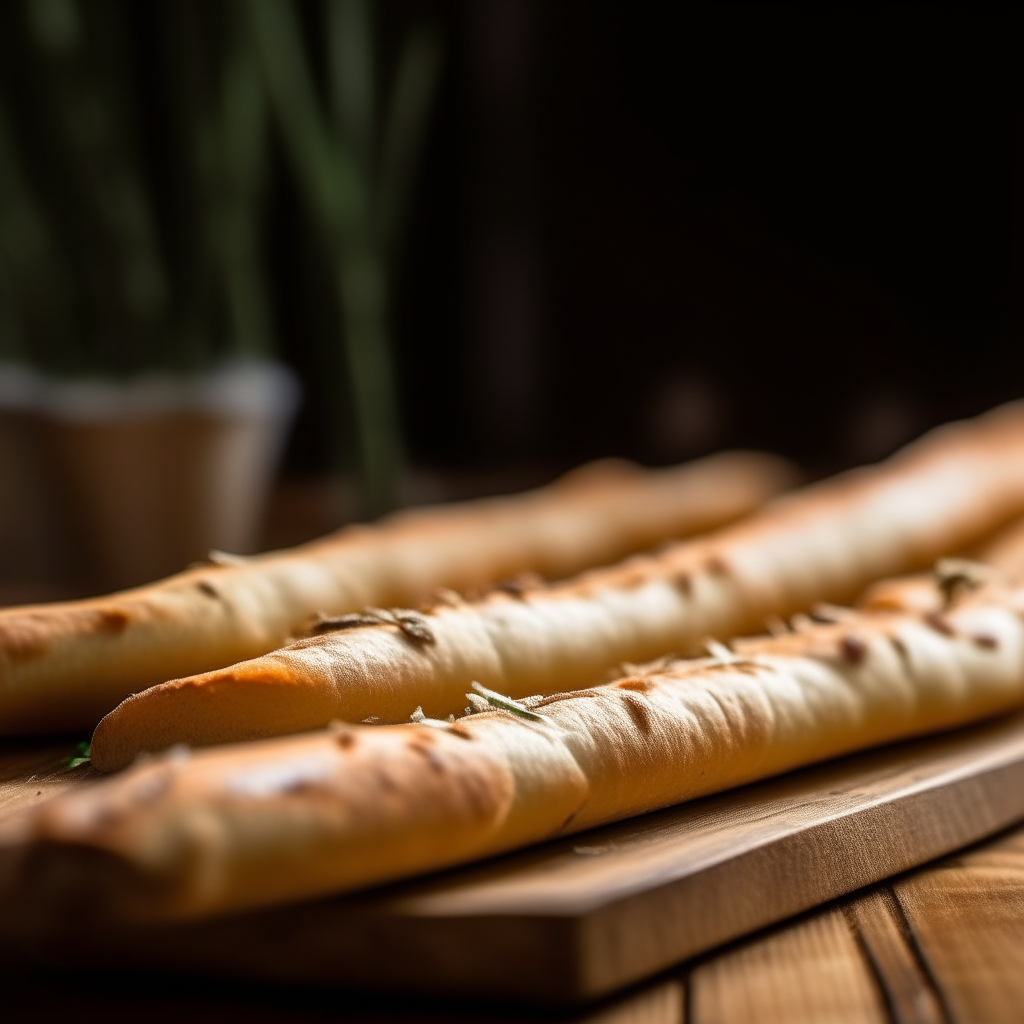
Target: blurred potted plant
{"type": "Point", "coordinates": [139, 348]}
{"type": "Point", "coordinates": [354, 151]}
{"type": "Point", "coordinates": [31, 541]}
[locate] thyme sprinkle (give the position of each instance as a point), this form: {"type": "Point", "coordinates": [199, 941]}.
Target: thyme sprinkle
{"type": "Point", "coordinates": [484, 698]}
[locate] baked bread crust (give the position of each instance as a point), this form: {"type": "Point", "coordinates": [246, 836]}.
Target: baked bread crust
{"type": "Point", "coordinates": [827, 542]}
{"type": "Point", "coordinates": [63, 666]}
{"type": "Point", "coordinates": [1004, 552]}
{"type": "Point", "coordinates": [187, 835]}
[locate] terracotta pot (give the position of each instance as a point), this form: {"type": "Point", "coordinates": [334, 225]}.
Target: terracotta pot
{"type": "Point", "coordinates": [156, 471]}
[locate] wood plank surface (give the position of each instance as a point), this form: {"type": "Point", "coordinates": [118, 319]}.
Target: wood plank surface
{"type": "Point", "coordinates": [941, 945]}
{"type": "Point", "coordinates": [857, 961]}
{"type": "Point", "coordinates": [31, 772]}
{"type": "Point", "coordinates": [967, 919]}
{"type": "Point", "coordinates": [584, 917]}
{"type": "Point", "coordinates": [810, 972]}
{"type": "Point", "coordinates": [891, 951]}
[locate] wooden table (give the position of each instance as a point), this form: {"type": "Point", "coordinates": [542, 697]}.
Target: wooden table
{"type": "Point", "coordinates": [940, 944]}
{"type": "Point", "coordinates": [943, 943]}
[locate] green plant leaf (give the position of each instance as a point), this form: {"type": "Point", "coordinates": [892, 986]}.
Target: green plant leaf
{"type": "Point", "coordinates": [325, 165]}
{"type": "Point", "coordinates": [80, 756]}
{"type": "Point", "coordinates": [408, 114]}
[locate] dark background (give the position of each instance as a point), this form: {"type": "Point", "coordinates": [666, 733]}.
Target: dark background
{"type": "Point", "coordinates": [657, 229]}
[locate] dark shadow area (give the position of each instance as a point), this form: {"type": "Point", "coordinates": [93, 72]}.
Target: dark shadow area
{"type": "Point", "coordinates": [769, 226]}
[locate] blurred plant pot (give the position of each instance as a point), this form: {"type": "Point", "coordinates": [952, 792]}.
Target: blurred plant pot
{"type": "Point", "coordinates": [158, 470]}
{"type": "Point", "coordinates": [33, 538]}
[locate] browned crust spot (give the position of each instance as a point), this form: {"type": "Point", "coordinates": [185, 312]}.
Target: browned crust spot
{"type": "Point", "coordinates": [345, 738]}
{"type": "Point", "coordinates": [939, 623]}
{"type": "Point", "coordinates": [636, 578]}
{"type": "Point", "coordinates": [853, 649]}
{"type": "Point", "coordinates": [640, 685]}
{"type": "Point", "coordinates": [112, 620]}
{"type": "Point", "coordinates": [717, 566]}
{"type": "Point", "coordinates": [207, 588]}
{"type": "Point", "coordinates": [261, 672]}
{"type": "Point", "coordinates": [29, 634]}
{"type": "Point", "coordinates": [986, 641]}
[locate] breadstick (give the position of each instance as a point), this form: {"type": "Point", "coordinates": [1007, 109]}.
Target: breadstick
{"type": "Point", "coordinates": [63, 666]}
{"type": "Point", "coordinates": [1004, 552]}
{"type": "Point", "coordinates": [187, 835]}
{"type": "Point", "coordinates": [826, 543]}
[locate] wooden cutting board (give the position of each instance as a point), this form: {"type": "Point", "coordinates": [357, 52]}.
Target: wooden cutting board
{"type": "Point", "coordinates": [582, 917]}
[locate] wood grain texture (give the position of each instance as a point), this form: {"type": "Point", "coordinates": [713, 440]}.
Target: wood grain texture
{"type": "Point", "coordinates": [943, 944]}
{"type": "Point", "coordinates": [967, 918]}
{"type": "Point", "coordinates": [855, 962]}
{"type": "Point", "coordinates": [890, 949]}
{"type": "Point", "coordinates": [31, 772]}
{"type": "Point", "coordinates": [940, 944]}
{"type": "Point", "coordinates": [581, 918]}
{"type": "Point", "coordinates": [809, 973]}
{"type": "Point", "coordinates": [661, 1003]}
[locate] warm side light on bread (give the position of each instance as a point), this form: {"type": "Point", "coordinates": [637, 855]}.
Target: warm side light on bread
{"type": "Point", "coordinates": [192, 834]}
{"type": "Point", "coordinates": [1004, 552]}
{"type": "Point", "coordinates": [826, 542]}
{"type": "Point", "coordinates": [63, 666]}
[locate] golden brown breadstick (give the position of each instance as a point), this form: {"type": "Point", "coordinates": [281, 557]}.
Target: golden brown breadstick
{"type": "Point", "coordinates": [1004, 551]}
{"type": "Point", "coordinates": [63, 666]}
{"type": "Point", "coordinates": [187, 835]}
{"type": "Point", "coordinates": [826, 543]}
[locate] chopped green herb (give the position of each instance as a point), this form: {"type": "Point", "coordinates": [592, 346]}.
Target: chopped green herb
{"type": "Point", "coordinates": [954, 575]}
{"type": "Point", "coordinates": [80, 756]}
{"type": "Point", "coordinates": [496, 700]}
